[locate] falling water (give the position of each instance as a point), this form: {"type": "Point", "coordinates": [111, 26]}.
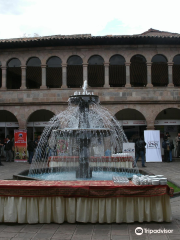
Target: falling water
{"type": "Point", "coordinates": [79, 143]}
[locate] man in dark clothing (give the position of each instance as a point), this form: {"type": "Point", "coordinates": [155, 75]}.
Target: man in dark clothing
{"type": "Point", "coordinates": [168, 146]}
{"type": "Point", "coordinates": [8, 149]}
{"type": "Point", "coordinates": [177, 140]}
{"type": "Point", "coordinates": [31, 147]}
{"type": "Point", "coordinates": [140, 150]}
{"type": "Point", "coordinates": [1, 145]}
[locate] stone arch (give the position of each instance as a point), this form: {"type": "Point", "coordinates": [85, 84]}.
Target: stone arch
{"type": "Point", "coordinates": [34, 58]}
{"type": "Point", "coordinates": [138, 71]}
{"type": "Point", "coordinates": [96, 71]}
{"type": "Point", "coordinates": [168, 113]}
{"type": "Point", "coordinates": [54, 56]}
{"type": "Point", "coordinates": [134, 115]}
{"type": "Point", "coordinates": [33, 122]}
{"type": "Point", "coordinates": [176, 70]}
{"type": "Point", "coordinates": [74, 53]}
{"type": "Point", "coordinates": [74, 71]}
{"type": "Point", "coordinates": [40, 111]}
{"type": "Point", "coordinates": [98, 53]}
{"type": "Point", "coordinates": [74, 60]}
{"type": "Point", "coordinates": [117, 71]}
{"type": "Point", "coordinates": [131, 126]}
{"type": "Point", "coordinates": [7, 116]}
{"type": "Point", "coordinates": [54, 72]}
{"type": "Point", "coordinates": [159, 70]}
{"type": "Point", "coordinates": [96, 59]}
{"type": "Point", "coordinates": [13, 80]}
{"type": "Point", "coordinates": [161, 56]}
{"type": "Point", "coordinates": [33, 73]}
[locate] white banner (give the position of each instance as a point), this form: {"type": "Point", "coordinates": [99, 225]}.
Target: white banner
{"type": "Point", "coordinates": [129, 148]}
{"type": "Point", "coordinates": [153, 149]}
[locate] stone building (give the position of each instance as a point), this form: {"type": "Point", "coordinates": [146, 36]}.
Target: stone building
{"type": "Point", "coordinates": [137, 78]}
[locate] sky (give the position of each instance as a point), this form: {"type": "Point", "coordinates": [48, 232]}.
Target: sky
{"type": "Point", "coordinates": [97, 17]}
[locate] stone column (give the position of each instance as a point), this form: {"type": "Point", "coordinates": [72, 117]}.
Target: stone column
{"type": "Point", "coordinates": [85, 72]}
{"type": "Point", "coordinates": [106, 71]}
{"type": "Point", "coordinates": [127, 64]}
{"type": "Point", "coordinates": [23, 78]}
{"type": "Point", "coordinates": [149, 83]}
{"type": "Point", "coordinates": [150, 124]}
{"type": "Point", "coordinates": [64, 76]}
{"type": "Point", "coordinates": [4, 71]}
{"type": "Point", "coordinates": [43, 84]}
{"type": "Point", "coordinates": [170, 74]}
{"type": "Point", "coordinates": [150, 127]}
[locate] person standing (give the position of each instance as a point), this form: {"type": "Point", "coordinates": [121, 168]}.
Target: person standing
{"type": "Point", "coordinates": [1, 145]}
{"type": "Point", "coordinates": [30, 148]}
{"type": "Point", "coordinates": [168, 146]}
{"type": "Point", "coordinates": [8, 148]}
{"type": "Point", "coordinates": [140, 150]}
{"type": "Point", "coordinates": [177, 140]}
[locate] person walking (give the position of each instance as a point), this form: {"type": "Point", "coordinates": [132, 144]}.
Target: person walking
{"type": "Point", "coordinates": [177, 140]}
{"type": "Point", "coordinates": [140, 150]}
{"type": "Point", "coordinates": [8, 148]}
{"type": "Point", "coordinates": [30, 148]}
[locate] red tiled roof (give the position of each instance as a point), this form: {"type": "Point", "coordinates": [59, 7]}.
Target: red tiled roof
{"type": "Point", "coordinates": [152, 36]}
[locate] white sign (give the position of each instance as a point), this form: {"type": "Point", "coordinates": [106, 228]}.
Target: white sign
{"type": "Point", "coordinates": [37, 124]}
{"type": "Point", "coordinates": [12, 124]}
{"type": "Point", "coordinates": [167, 122]}
{"type": "Point", "coordinates": [153, 150]}
{"type": "Point", "coordinates": [143, 122]}
{"type": "Point", "coordinates": [129, 148]}
{"type": "Point", "coordinates": [2, 124]}
{"type": "Point", "coordinates": [133, 122]}
{"type": "Point", "coordinates": [30, 124]}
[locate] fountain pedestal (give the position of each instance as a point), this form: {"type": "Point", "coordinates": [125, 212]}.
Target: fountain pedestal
{"type": "Point", "coordinates": [83, 101]}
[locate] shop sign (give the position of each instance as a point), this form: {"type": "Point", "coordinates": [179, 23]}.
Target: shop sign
{"type": "Point", "coordinates": [12, 124]}
{"type": "Point", "coordinates": [133, 122]}
{"type": "Point", "coordinates": [40, 124]}
{"type": "Point", "coordinates": [167, 122]}
{"type": "Point", "coordinates": [2, 124]}
{"type": "Point", "coordinates": [20, 145]}
{"type": "Point", "coordinates": [30, 124]}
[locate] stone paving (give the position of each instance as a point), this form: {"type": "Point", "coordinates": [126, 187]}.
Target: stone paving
{"type": "Point", "coordinates": [80, 231]}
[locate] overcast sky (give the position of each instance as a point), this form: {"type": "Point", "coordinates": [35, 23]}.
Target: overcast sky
{"type": "Point", "coordinates": [96, 17]}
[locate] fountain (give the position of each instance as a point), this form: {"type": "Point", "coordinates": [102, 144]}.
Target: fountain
{"type": "Point", "coordinates": [81, 149]}
{"type": "Point", "coordinates": [81, 143]}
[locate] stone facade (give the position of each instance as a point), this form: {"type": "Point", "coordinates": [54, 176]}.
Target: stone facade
{"type": "Point", "coordinates": [149, 100]}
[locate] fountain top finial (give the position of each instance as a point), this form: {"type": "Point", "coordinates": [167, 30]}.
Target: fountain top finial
{"type": "Point", "coordinates": [84, 92]}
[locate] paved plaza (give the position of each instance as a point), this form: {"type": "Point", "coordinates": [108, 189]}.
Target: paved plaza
{"type": "Point", "coordinates": [96, 231]}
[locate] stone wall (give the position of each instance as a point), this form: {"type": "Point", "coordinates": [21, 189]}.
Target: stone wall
{"type": "Point", "coordinates": [149, 101]}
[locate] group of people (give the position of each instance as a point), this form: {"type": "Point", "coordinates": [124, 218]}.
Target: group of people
{"type": "Point", "coordinates": [168, 146]}
{"type": "Point", "coordinates": [7, 146]}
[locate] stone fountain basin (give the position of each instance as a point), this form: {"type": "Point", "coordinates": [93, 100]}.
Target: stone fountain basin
{"type": "Point", "coordinates": [24, 174]}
